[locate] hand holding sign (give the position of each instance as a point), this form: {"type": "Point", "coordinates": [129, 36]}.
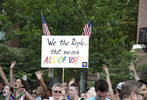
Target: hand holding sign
{"type": "Point", "coordinates": [64, 88]}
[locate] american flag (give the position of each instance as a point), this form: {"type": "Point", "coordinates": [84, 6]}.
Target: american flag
{"type": "Point", "coordinates": [45, 27]}
{"type": "Point", "coordinates": [88, 29]}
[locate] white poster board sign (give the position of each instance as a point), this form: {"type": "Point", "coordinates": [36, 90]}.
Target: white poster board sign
{"type": "Point", "coordinates": [65, 51]}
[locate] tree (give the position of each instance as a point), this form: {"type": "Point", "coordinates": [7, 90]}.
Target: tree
{"type": "Point", "coordinates": [114, 28]}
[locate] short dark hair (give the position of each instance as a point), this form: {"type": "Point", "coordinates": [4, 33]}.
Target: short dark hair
{"type": "Point", "coordinates": [128, 87]}
{"type": "Point", "coordinates": [144, 82]}
{"type": "Point", "coordinates": [1, 82]}
{"type": "Point", "coordinates": [25, 84]}
{"type": "Point", "coordinates": [101, 85]}
{"type": "Point", "coordinates": [76, 86]}
{"type": "Point", "coordinates": [83, 92]}
{"type": "Point", "coordinates": [11, 89]}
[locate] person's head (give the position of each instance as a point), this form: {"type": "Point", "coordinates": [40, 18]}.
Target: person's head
{"type": "Point", "coordinates": [7, 91]}
{"type": "Point", "coordinates": [90, 93]}
{"type": "Point", "coordinates": [83, 94]}
{"type": "Point", "coordinates": [34, 93]}
{"type": "Point", "coordinates": [118, 89]}
{"type": "Point", "coordinates": [73, 90]}
{"type": "Point", "coordinates": [57, 91]}
{"type": "Point", "coordinates": [19, 83]}
{"type": "Point", "coordinates": [39, 90]}
{"type": "Point", "coordinates": [133, 90]}
{"type": "Point", "coordinates": [101, 88]}
{"type": "Point", "coordinates": [144, 82]}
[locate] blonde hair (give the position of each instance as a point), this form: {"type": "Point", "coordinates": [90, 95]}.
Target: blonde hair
{"type": "Point", "coordinates": [91, 92]}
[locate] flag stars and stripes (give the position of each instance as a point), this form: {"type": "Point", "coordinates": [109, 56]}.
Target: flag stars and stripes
{"type": "Point", "coordinates": [88, 29]}
{"type": "Point", "coordinates": [45, 27]}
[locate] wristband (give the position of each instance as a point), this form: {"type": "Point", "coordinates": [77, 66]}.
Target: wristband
{"type": "Point", "coordinates": [24, 91]}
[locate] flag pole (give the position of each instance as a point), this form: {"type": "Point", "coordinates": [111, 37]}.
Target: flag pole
{"type": "Point", "coordinates": [41, 14]}
{"type": "Point", "coordinates": [92, 17]}
{"type": "Point", "coordinates": [62, 75]}
{"type": "Point", "coordinates": [82, 33]}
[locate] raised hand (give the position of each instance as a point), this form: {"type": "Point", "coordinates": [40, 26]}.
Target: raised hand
{"type": "Point", "coordinates": [0, 68]}
{"type": "Point", "coordinates": [13, 64]}
{"type": "Point", "coordinates": [106, 69]}
{"type": "Point", "coordinates": [136, 76]}
{"type": "Point", "coordinates": [39, 74]}
{"type": "Point", "coordinates": [1, 71]}
{"type": "Point", "coordinates": [131, 67]}
{"type": "Point", "coordinates": [64, 86]}
{"type": "Point", "coordinates": [71, 81]}
{"type": "Point", "coordinates": [64, 90]}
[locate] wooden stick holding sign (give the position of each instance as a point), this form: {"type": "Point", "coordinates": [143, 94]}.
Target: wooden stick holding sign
{"type": "Point", "coordinates": [63, 81]}
{"type": "Point", "coordinates": [63, 75]}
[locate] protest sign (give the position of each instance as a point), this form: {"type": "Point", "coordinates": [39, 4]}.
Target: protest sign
{"type": "Point", "coordinates": [65, 51]}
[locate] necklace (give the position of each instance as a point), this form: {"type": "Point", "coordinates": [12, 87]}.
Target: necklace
{"type": "Point", "coordinates": [18, 95]}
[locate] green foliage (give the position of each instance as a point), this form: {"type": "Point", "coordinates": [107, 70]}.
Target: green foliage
{"type": "Point", "coordinates": [10, 54]}
{"type": "Point", "coordinates": [114, 29]}
{"type": "Point", "coordinates": [142, 70]}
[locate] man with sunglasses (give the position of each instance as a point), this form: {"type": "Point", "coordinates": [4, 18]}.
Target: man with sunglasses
{"type": "Point", "coordinates": [56, 92]}
{"type": "Point", "coordinates": [133, 90]}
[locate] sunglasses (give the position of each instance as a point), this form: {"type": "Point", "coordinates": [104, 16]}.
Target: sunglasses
{"type": "Point", "coordinates": [34, 93]}
{"type": "Point", "coordinates": [57, 91]}
{"type": "Point", "coordinates": [140, 94]}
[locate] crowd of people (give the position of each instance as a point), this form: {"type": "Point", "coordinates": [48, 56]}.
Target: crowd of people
{"type": "Point", "coordinates": [17, 89]}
